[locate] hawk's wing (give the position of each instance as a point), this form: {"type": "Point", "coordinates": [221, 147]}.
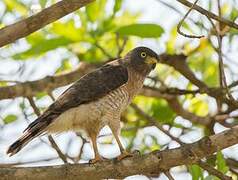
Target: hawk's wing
{"type": "Point", "coordinates": [89, 88]}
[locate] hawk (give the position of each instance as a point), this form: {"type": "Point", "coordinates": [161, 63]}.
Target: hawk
{"type": "Point", "coordinates": [95, 100]}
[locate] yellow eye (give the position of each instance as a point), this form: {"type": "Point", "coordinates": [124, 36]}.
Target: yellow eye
{"type": "Point", "coordinates": [143, 54]}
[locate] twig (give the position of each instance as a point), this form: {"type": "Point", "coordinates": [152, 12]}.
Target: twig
{"type": "Point", "coordinates": [84, 141]}
{"type": "Point", "coordinates": [103, 50]}
{"type": "Point", "coordinates": [223, 82]}
{"type": "Point", "coordinates": [33, 105]}
{"type": "Point", "coordinates": [120, 47]}
{"type": "Point", "coordinates": [234, 172]}
{"type": "Point", "coordinates": [51, 96]}
{"type": "Point", "coordinates": [209, 14]}
{"type": "Point", "coordinates": [168, 174]}
{"type": "Point", "coordinates": [175, 91]}
{"type": "Point", "coordinates": [213, 171]}
{"type": "Point", "coordinates": [50, 138]}
{"type": "Point", "coordinates": [56, 147]}
{"type": "Point", "coordinates": [155, 123]}
{"type": "Point", "coordinates": [179, 12]}
{"type": "Point", "coordinates": [181, 22]}
{"type": "Point", "coordinates": [9, 81]}
{"type": "Point", "coordinates": [135, 129]}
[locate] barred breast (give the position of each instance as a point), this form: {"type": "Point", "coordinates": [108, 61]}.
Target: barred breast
{"type": "Point", "coordinates": [92, 116]}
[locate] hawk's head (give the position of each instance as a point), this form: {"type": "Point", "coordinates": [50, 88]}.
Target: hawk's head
{"type": "Point", "coordinates": [142, 59]}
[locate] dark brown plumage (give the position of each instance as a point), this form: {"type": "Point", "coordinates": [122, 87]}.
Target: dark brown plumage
{"type": "Point", "coordinates": [113, 80]}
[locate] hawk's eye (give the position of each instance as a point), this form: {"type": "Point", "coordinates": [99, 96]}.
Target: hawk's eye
{"type": "Point", "coordinates": [143, 54]}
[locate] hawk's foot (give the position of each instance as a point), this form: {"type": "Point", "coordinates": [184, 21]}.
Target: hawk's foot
{"type": "Point", "coordinates": [124, 154]}
{"type": "Point", "coordinates": [96, 160]}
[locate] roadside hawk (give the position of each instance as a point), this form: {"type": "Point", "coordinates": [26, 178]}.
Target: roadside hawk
{"type": "Point", "coordinates": [95, 100]}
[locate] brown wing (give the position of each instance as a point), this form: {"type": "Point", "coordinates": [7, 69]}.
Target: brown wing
{"type": "Point", "coordinates": [89, 88]}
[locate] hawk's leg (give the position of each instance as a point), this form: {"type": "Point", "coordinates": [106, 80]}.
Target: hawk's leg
{"type": "Point", "coordinates": [97, 157]}
{"type": "Point", "coordinates": [124, 153]}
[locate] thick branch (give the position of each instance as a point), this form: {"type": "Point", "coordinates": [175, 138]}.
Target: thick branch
{"type": "Point", "coordinates": [178, 62]}
{"type": "Point", "coordinates": [149, 164]}
{"type": "Point", "coordinates": [33, 23]}
{"type": "Point", "coordinates": [47, 84]}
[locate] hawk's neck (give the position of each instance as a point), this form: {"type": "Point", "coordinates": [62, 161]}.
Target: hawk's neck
{"type": "Point", "coordinates": [135, 82]}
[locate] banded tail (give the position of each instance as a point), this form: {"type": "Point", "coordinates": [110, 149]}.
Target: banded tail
{"type": "Point", "coordinates": [20, 143]}
{"type": "Point", "coordinates": [34, 129]}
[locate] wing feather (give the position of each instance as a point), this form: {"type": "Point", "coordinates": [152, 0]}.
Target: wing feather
{"type": "Point", "coordinates": [89, 88]}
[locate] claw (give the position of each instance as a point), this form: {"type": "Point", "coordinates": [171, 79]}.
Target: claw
{"type": "Point", "coordinates": [95, 160]}
{"type": "Point", "coordinates": [124, 154]}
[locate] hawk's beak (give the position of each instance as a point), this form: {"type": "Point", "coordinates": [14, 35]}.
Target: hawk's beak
{"type": "Point", "coordinates": [151, 60]}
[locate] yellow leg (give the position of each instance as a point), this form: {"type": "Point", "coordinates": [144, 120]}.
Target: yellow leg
{"type": "Point", "coordinates": [124, 153]}
{"type": "Point", "coordinates": [97, 157]}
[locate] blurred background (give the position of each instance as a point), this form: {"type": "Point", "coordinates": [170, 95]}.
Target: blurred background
{"type": "Point", "coordinates": [106, 30]}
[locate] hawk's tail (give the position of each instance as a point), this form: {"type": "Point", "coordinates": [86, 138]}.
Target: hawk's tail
{"type": "Point", "coordinates": [21, 142]}
{"type": "Point", "coordinates": [34, 129]}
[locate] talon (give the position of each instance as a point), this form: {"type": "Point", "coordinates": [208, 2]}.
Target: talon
{"type": "Point", "coordinates": [95, 160]}
{"type": "Point", "coordinates": [124, 154]}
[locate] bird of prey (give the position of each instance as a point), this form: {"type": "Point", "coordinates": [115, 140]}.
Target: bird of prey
{"type": "Point", "coordinates": [95, 100]}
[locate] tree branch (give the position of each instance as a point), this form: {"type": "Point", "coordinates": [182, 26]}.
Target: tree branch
{"type": "Point", "coordinates": [210, 14]}
{"type": "Point", "coordinates": [33, 23]}
{"type": "Point", "coordinates": [182, 20]}
{"type": "Point", "coordinates": [47, 84]}
{"type": "Point", "coordinates": [50, 138]}
{"type": "Point", "coordinates": [213, 171]}
{"type": "Point", "coordinates": [152, 163]}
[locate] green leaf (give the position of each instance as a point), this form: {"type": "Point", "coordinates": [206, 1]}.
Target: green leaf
{"type": "Point", "coordinates": [96, 10]}
{"type": "Point", "coordinates": [10, 118]}
{"type": "Point", "coordinates": [128, 134]}
{"type": "Point", "coordinates": [65, 65]}
{"type": "Point", "coordinates": [221, 163]}
{"type": "Point", "coordinates": [68, 30]}
{"type": "Point", "coordinates": [40, 95]}
{"type": "Point", "coordinates": [196, 172]}
{"type": "Point", "coordinates": [3, 83]}
{"type": "Point", "coordinates": [43, 3]}
{"type": "Point", "coordinates": [171, 43]}
{"type": "Point", "coordinates": [117, 6]}
{"type": "Point", "coordinates": [141, 30]}
{"type": "Point", "coordinates": [199, 106]}
{"type": "Point", "coordinates": [43, 46]}
{"type": "Point", "coordinates": [233, 14]}
{"type": "Point", "coordinates": [158, 108]}
{"type": "Point", "coordinates": [162, 112]}
{"type": "Point", "coordinates": [15, 6]}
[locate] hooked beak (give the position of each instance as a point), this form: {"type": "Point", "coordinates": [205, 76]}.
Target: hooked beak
{"type": "Point", "coordinates": [151, 60]}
